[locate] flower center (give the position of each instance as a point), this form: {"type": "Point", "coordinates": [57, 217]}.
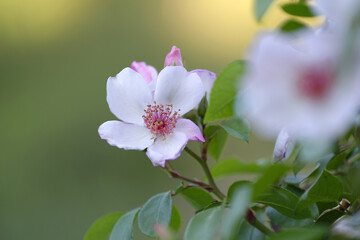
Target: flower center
{"type": "Point", "coordinates": [160, 119]}
{"type": "Point", "coordinates": [315, 83]}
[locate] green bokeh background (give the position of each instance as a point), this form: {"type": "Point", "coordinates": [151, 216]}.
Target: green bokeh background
{"type": "Point", "coordinates": [56, 175]}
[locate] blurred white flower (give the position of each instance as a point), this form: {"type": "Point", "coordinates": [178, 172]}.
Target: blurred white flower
{"type": "Point", "coordinates": [152, 120]}
{"type": "Point", "coordinates": [339, 16]}
{"type": "Point", "coordinates": [337, 10]}
{"type": "Point", "coordinates": [294, 84]}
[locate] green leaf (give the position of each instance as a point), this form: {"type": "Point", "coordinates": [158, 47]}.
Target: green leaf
{"type": "Point", "coordinates": [203, 105]}
{"type": "Point", "coordinates": [205, 224]}
{"type": "Point", "coordinates": [224, 92]}
{"type": "Point", "coordinates": [299, 234]}
{"type": "Point", "coordinates": [292, 25]}
{"type": "Point", "coordinates": [197, 197]}
{"type": "Point", "coordinates": [175, 222]}
{"type": "Point", "coordinates": [329, 217]}
{"type": "Point", "coordinates": [101, 229]}
{"type": "Point", "coordinates": [156, 210]}
{"type": "Point", "coordinates": [261, 6]}
{"type": "Point", "coordinates": [298, 9]}
{"type": "Point", "coordinates": [211, 205]}
{"type": "Point", "coordinates": [236, 185]}
{"type": "Point", "coordinates": [286, 222]}
{"type": "Point", "coordinates": [238, 206]}
{"type": "Point", "coordinates": [179, 188]}
{"type": "Point", "coordinates": [338, 159]}
{"type": "Point", "coordinates": [249, 232]}
{"type": "Point", "coordinates": [283, 201]}
{"type": "Point", "coordinates": [233, 166]}
{"type": "Point", "coordinates": [239, 128]}
{"type": "Point", "coordinates": [210, 131]}
{"type": "Point", "coordinates": [270, 176]}
{"type": "Point", "coordinates": [123, 228]}
{"type": "Point", "coordinates": [217, 144]}
{"type": "Point", "coordinates": [327, 188]}
{"type": "Point", "coordinates": [294, 189]}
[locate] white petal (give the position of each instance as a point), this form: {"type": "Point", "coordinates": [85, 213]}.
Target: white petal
{"type": "Point", "coordinates": [284, 146]}
{"type": "Point", "coordinates": [168, 148]}
{"type": "Point", "coordinates": [125, 135]}
{"type": "Point", "coordinates": [127, 96]}
{"type": "Point", "coordinates": [337, 9]}
{"type": "Point", "coordinates": [175, 86]}
{"type": "Point", "coordinates": [207, 78]}
{"type": "Point", "coordinates": [190, 129]}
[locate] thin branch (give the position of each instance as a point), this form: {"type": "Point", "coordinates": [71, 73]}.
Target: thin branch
{"type": "Point", "coordinates": [174, 174]}
{"type": "Point", "coordinates": [208, 174]}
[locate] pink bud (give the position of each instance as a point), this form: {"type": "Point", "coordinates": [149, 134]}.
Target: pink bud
{"type": "Point", "coordinates": [162, 231]}
{"type": "Point", "coordinates": [173, 57]}
{"type": "Point", "coordinates": [148, 72]}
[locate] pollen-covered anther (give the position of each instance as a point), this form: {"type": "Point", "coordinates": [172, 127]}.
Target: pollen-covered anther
{"type": "Point", "coordinates": [160, 119]}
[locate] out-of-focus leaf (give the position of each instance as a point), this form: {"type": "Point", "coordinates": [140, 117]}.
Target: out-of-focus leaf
{"type": "Point", "coordinates": [179, 188]}
{"type": "Point", "coordinates": [237, 185]}
{"type": "Point", "coordinates": [175, 222]}
{"type": "Point", "coordinates": [269, 177]}
{"type": "Point", "coordinates": [329, 217]}
{"type": "Point", "coordinates": [101, 229]}
{"type": "Point", "coordinates": [261, 6]}
{"type": "Point", "coordinates": [338, 159]}
{"type": "Point", "coordinates": [205, 224]}
{"type": "Point", "coordinates": [211, 205]}
{"type": "Point", "coordinates": [217, 144]}
{"type": "Point", "coordinates": [249, 232]}
{"type": "Point", "coordinates": [294, 189]}
{"type": "Point", "coordinates": [236, 127]}
{"type": "Point", "coordinates": [233, 166]}
{"type": "Point", "coordinates": [283, 201]}
{"type": "Point", "coordinates": [197, 197]}
{"type": "Point", "coordinates": [123, 228]}
{"type": "Point", "coordinates": [224, 92]}
{"type": "Point", "coordinates": [292, 25]}
{"type": "Point", "coordinates": [327, 188]}
{"type": "Point", "coordinates": [238, 206]}
{"type": "Point", "coordinates": [298, 9]}
{"type": "Point", "coordinates": [156, 210]}
{"type": "Point", "coordinates": [314, 233]}
{"type": "Point", "coordinates": [322, 206]}
{"type": "Point", "coordinates": [286, 222]}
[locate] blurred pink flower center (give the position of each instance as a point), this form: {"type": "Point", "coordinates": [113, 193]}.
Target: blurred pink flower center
{"type": "Point", "coordinates": [160, 119]}
{"type": "Point", "coordinates": [315, 83]}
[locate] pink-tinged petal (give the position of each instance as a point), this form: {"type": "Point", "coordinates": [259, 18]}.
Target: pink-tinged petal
{"type": "Point", "coordinates": [174, 57]}
{"type": "Point", "coordinates": [168, 148]}
{"type": "Point", "coordinates": [175, 86]}
{"type": "Point", "coordinates": [125, 135]}
{"type": "Point", "coordinates": [190, 129]}
{"type": "Point", "coordinates": [148, 72]}
{"type": "Point", "coordinates": [207, 78]}
{"type": "Point", "coordinates": [127, 96]}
